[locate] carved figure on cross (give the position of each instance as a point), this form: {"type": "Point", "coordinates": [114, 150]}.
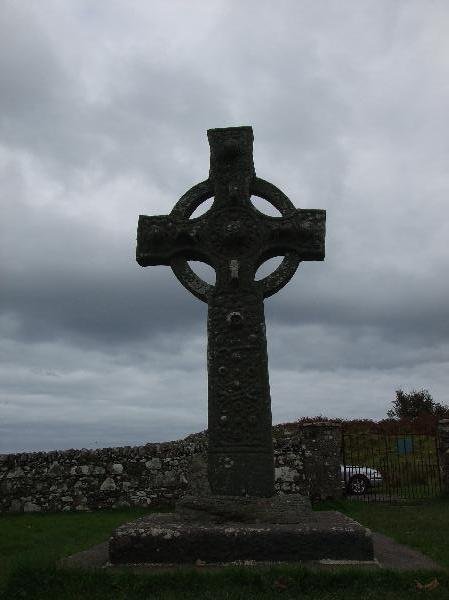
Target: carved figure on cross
{"type": "Point", "coordinates": [234, 238]}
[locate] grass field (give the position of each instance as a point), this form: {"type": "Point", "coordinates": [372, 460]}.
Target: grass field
{"type": "Point", "coordinates": [41, 539]}
{"type": "Point", "coordinates": [424, 527]}
{"type": "Point", "coordinates": [30, 545]}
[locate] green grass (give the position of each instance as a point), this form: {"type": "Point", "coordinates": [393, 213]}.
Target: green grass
{"type": "Point", "coordinates": [227, 584]}
{"type": "Point", "coordinates": [31, 544]}
{"type": "Point", "coordinates": [41, 539]}
{"type": "Point", "coordinates": [424, 526]}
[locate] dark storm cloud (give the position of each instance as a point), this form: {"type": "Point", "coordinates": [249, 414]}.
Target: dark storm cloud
{"type": "Point", "coordinates": [104, 112]}
{"type": "Point", "coordinates": [69, 278]}
{"type": "Point", "coordinates": [410, 309]}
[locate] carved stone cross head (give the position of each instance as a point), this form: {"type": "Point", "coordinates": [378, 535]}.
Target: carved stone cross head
{"type": "Point", "coordinates": [234, 238]}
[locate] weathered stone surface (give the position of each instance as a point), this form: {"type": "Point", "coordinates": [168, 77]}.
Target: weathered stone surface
{"type": "Point", "coordinates": [31, 507]}
{"type": "Point", "coordinates": [153, 464]}
{"type": "Point", "coordinates": [15, 506]}
{"type": "Point", "coordinates": [277, 509]}
{"type": "Point", "coordinates": [15, 473]}
{"type": "Point", "coordinates": [54, 469]}
{"type": "Point", "coordinates": [286, 474]}
{"type": "Point", "coordinates": [321, 464]}
{"type": "Point", "coordinates": [234, 239]}
{"type": "Point", "coordinates": [164, 539]}
{"type": "Point", "coordinates": [196, 475]}
{"type": "Point", "coordinates": [117, 468]}
{"type": "Point", "coordinates": [295, 452]}
{"type": "Point", "coordinates": [108, 485]}
{"type": "Point", "coordinates": [98, 470]}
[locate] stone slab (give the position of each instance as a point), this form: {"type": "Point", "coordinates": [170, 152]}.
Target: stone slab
{"type": "Point", "coordinates": [165, 538]}
{"type": "Point", "coordinates": [288, 508]}
{"type": "Point", "coordinates": [388, 554]}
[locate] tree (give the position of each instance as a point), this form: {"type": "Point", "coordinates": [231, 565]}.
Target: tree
{"type": "Point", "coordinates": [415, 404]}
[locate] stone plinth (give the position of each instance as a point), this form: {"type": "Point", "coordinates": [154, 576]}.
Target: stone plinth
{"type": "Point", "coordinates": [170, 539]}
{"type": "Point", "coordinates": [225, 529]}
{"type": "Point", "coordinates": [221, 509]}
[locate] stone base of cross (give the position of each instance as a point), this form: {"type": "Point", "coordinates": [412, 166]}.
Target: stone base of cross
{"type": "Point", "coordinates": [234, 238]}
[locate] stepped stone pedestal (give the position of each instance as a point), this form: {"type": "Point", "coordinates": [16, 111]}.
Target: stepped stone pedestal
{"type": "Point", "coordinates": [226, 530]}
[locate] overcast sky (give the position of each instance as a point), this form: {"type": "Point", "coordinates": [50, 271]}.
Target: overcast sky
{"type": "Point", "coordinates": [104, 108]}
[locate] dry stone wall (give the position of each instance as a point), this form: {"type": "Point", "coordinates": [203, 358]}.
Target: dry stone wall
{"type": "Point", "coordinates": [307, 460]}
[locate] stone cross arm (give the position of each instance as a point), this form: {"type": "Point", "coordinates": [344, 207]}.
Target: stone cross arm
{"type": "Point", "coordinates": [162, 238]}
{"type": "Point", "coordinates": [221, 235]}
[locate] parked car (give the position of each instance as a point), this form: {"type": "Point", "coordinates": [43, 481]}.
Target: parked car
{"type": "Point", "coordinates": [359, 480]}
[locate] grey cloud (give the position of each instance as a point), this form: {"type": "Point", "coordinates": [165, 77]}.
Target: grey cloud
{"type": "Point", "coordinates": [104, 117]}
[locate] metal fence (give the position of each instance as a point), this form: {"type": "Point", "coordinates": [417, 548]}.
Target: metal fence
{"type": "Point", "coordinates": [390, 468]}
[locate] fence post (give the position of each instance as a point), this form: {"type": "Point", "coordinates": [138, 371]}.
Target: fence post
{"type": "Point", "coordinates": [322, 444]}
{"type": "Point", "coordinates": [443, 454]}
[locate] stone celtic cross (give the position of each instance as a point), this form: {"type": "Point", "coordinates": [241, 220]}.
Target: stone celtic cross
{"type": "Point", "coordinates": [234, 238]}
